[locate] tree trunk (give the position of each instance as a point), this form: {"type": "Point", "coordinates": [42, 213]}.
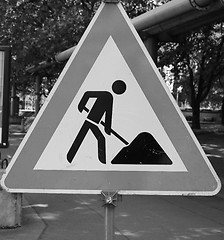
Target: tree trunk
{"type": "Point", "coordinates": [222, 112]}
{"type": "Point", "coordinates": [196, 116]}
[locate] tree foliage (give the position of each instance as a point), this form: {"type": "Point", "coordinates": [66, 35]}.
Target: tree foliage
{"type": "Point", "coordinates": [198, 62]}
{"type": "Point", "coordinates": [38, 29]}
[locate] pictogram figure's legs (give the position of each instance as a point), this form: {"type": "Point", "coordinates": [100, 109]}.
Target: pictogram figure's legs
{"type": "Point", "coordinates": [80, 137]}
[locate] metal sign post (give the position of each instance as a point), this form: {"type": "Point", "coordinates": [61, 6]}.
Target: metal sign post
{"type": "Point", "coordinates": [110, 199]}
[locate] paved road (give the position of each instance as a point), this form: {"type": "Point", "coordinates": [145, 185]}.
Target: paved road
{"type": "Point", "coordinates": [213, 145]}
{"type": "Point", "coordinates": [81, 217]}
{"type": "Point", "coordinates": [137, 217]}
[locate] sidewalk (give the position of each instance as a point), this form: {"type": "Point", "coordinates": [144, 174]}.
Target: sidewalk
{"type": "Point", "coordinates": [81, 217]}
{"type": "Point", "coordinates": [32, 225]}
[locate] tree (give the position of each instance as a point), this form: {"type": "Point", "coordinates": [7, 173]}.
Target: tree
{"type": "Point", "coordinates": [37, 30]}
{"type": "Point", "coordinates": [219, 92]}
{"type": "Point", "coordinates": [197, 62]}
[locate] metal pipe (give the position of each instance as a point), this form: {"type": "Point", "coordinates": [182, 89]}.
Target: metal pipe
{"type": "Point", "coordinates": [200, 4]}
{"type": "Point", "coordinates": [156, 16]}
{"type": "Point", "coordinates": [168, 11]}
{"type": "Point", "coordinates": [62, 56]}
{"type": "Point", "coordinates": [37, 103]}
{"type": "Point", "coordinates": [151, 45]}
{"type": "Point", "coordinates": [186, 22]}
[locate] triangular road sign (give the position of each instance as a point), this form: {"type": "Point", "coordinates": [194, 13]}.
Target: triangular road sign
{"type": "Point", "coordinates": [110, 124]}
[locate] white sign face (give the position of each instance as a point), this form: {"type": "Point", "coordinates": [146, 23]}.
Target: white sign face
{"type": "Point", "coordinates": [131, 115]}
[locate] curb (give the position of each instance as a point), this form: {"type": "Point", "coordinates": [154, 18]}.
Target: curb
{"type": "Point", "coordinates": [32, 226]}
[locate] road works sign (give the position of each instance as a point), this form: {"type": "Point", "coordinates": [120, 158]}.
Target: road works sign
{"type": "Point", "coordinates": [110, 124]}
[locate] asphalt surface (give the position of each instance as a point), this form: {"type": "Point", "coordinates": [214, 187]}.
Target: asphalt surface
{"type": "Point", "coordinates": [81, 217]}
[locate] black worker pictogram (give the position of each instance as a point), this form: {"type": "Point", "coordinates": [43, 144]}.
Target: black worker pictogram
{"type": "Point", "coordinates": [102, 106]}
{"type": "Point", "coordinates": [144, 149]}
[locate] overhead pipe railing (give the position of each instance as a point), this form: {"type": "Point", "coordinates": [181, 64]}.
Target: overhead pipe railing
{"type": "Point", "coordinates": [157, 16]}
{"type": "Point", "coordinates": [186, 22]}
{"type": "Point", "coordinates": [168, 20]}
{"type": "Point", "coordinates": [168, 11]}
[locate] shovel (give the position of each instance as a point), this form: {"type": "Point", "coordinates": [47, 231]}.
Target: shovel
{"type": "Point", "coordinates": [112, 131]}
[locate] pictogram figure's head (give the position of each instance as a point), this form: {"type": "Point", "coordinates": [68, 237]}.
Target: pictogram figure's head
{"type": "Point", "coordinates": [119, 87]}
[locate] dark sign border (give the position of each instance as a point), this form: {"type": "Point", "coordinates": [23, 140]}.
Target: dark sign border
{"type": "Point", "coordinates": [5, 90]}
